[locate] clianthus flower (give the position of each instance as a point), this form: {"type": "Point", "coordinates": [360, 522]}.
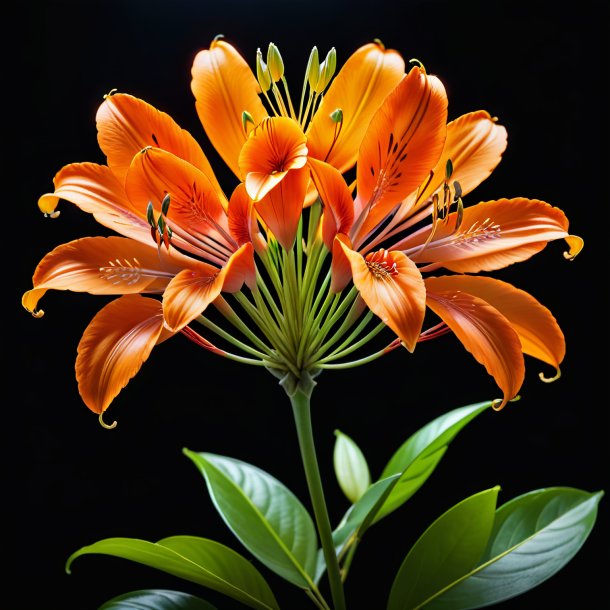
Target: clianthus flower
{"type": "Point", "coordinates": [317, 263]}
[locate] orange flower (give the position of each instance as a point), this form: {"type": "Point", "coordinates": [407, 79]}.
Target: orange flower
{"type": "Point", "coordinates": [413, 166]}
{"type": "Point", "coordinates": [181, 239]}
{"type": "Point", "coordinates": [191, 257]}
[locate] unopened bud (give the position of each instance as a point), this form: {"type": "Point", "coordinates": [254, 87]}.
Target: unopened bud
{"type": "Point", "coordinates": [327, 70]}
{"type": "Point", "coordinates": [336, 116]}
{"type": "Point", "coordinates": [275, 63]}
{"type": "Point", "coordinates": [313, 68]}
{"type": "Point", "coordinates": [246, 118]}
{"type": "Point", "coordinates": [262, 72]}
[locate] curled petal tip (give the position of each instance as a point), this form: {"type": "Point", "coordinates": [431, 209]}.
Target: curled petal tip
{"type": "Point", "coordinates": [497, 404]}
{"type": "Point", "coordinates": [104, 424]}
{"type": "Point", "coordinates": [575, 244]}
{"type": "Point", "coordinates": [380, 44]}
{"type": "Point", "coordinates": [37, 313]}
{"type": "Point", "coordinates": [110, 93]}
{"type": "Point", "coordinates": [216, 39]}
{"type": "Point", "coordinates": [546, 379]}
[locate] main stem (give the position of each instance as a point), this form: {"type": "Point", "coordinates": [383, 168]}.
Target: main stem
{"type": "Point", "coordinates": [301, 408]}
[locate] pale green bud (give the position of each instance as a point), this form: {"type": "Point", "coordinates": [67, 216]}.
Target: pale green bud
{"type": "Point", "coordinates": [262, 72]}
{"type": "Point", "coordinates": [275, 63]}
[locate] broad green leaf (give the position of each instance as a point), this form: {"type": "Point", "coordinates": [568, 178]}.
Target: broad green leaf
{"type": "Point", "coordinates": [533, 537]}
{"type": "Point", "coordinates": [156, 599]}
{"type": "Point", "coordinates": [198, 560]}
{"type": "Point", "coordinates": [419, 455]}
{"type": "Point", "coordinates": [351, 469]}
{"type": "Point", "coordinates": [266, 517]}
{"type": "Point", "coordinates": [450, 547]}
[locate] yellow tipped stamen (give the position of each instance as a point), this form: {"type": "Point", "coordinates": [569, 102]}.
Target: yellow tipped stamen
{"type": "Point", "coordinates": [550, 379]}
{"type": "Point", "coordinates": [110, 93]}
{"type": "Point", "coordinates": [104, 424]}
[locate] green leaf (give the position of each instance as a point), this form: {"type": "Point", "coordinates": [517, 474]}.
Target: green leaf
{"type": "Point", "coordinates": [156, 599]}
{"type": "Point", "coordinates": [351, 468]}
{"type": "Point", "coordinates": [533, 537]}
{"type": "Point", "coordinates": [266, 517]}
{"type": "Point", "coordinates": [198, 560]}
{"type": "Point", "coordinates": [449, 548]}
{"type": "Point", "coordinates": [419, 455]}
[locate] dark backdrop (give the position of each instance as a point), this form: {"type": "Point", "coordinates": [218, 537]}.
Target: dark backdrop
{"type": "Point", "coordinates": [538, 67]}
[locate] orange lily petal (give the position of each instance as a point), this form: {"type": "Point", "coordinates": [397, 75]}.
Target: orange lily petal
{"type": "Point", "coordinates": [102, 265]}
{"type": "Point", "coordinates": [274, 147]}
{"type": "Point", "coordinates": [195, 208]}
{"type": "Point", "coordinates": [96, 190]}
{"type": "Point", "coordinates": [538, 330]}
{"type": "Point", "coordinates": [281, 208]}
{"type": "Point", "coordinates": [224, 87]}
{"type": "Point", "coordinates": [475, 144]}
{"type": "Point", "coordinates": [483, 331]}
{"type": "Point", "coordinates": [243, 224]}
{"type": "Point", "coordinates": [337, 200]}
{"type": "Point", "coordinates": [192, 290]}
{"type": "Point", "coordinates": [127, 124]}
{"type": "Point", "coordinates": [358, 90]}
{"type": "Point", "coordinates": [401, 145]}
{"type": "Point", "coordinates": [114, 346]}
{"type": "Point", "coordinates": [341, 269]}
{"type": "Point", "coordinates": [393, 288]}
{"type": "Point", "coordinates": [492, 235]}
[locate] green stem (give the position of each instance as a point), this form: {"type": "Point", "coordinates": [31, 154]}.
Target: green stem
{"type": "Point", "coordinates": [301, 407]}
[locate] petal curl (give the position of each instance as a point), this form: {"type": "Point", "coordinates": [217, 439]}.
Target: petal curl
{"type": "Point", "coordinates": [114, 346]}
{"type": "Point", "coordinates": [402, 144]}
{"type": "Point", "coordinates": [95, 189]}
{"type": "Point", "coordinates": [538, 330]}
{"type": "Point", "coordinates": [127, 124]}
{"type": "Point", "coordinates": [492, 235]}
{"type": "Point", "coordinates": [242, 219]}
{"type": "Point", "coordinates": [359, 88]}
{"type": "Point", "coordinates": [273, 148]}
{"type": "Point", "coordinates": [484, 332]}
{"type": "Point", "coordinates": [393, 288]}
{"type": "Point", "coordinates": [224, 87]}
{"type": "Point", "coordinates": [103, 265]}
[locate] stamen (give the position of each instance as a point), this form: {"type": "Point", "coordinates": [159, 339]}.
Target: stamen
{"type": "Point", "coordinates": [104, 424]}
{"type": "Point", "coordinates": [379, 265]}
{"type": "Point", "coordinates": [110, 93]}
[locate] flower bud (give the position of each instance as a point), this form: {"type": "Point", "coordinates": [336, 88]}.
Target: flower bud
{"type": "Point", "coordinates": [336, 116]}
{"type": "Point", "coordinates": [327, 70]}
{"type": "Point", "coordinates": [262, 72]}
{"type": "Point", "coordinates": [275, 63]}
{"type": "Point", "coordinates": [313, 68]}
{"type": "Point", "coordinates": [246, 118]}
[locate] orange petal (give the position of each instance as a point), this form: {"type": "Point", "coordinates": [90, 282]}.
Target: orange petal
{"type": "Point", "coordinates": [337, 200]}
{"type": "Point", "coordinates": [483, 331]}
{"type": "Point", "coordinates": [195, 208]}
{"type": "Point", "coordinates": [402, 144]}
{"type": "Point", "coordinates": [492, 235]}
{"type": "Point", "coordinates": [126, 125]}
{"type": "Point", "coordinates": [475, 143]}
{"type": "Point", "coordinates": [114, 346]}
{"type": "Point", "coordinates": [224, 87]}
{"type": "Point", "coordinates": [358, 90]}
{"type": "Point", "coordinates": [192, 290]}
{"type": "Point", "coordinates": [102, 265]}
{"type": "Point", "coordinates": [341, 269]}
{"type": "Point", "coordinates": [95, 189]}
{"type": "Point", "coordinates": [281, 208]}
{"type": "Point", "coordinates": [393, 288]}
{"type": "Point", "coordinates": [538, 330]}
{"type": "Point", "coordinates": [242, 219]}
{"type": "Point", "coordinates": [274, 147]}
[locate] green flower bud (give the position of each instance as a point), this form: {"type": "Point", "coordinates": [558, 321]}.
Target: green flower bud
{"type": "Point", "coordinates": [262, 72]}
{"type": "Point", "coordinates": [275, 63]}
{"type": "Point", "coordinates": [313, 68]}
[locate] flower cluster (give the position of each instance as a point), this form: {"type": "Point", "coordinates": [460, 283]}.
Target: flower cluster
{"type": "Point", "coordinates": [347, 217]}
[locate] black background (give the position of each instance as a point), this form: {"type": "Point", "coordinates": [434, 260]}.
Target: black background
{"type": "Point", "coordinates": [540, 68]}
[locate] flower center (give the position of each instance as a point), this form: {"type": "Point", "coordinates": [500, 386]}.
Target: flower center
{"type": "Point", "coordinates": [381, 265]}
